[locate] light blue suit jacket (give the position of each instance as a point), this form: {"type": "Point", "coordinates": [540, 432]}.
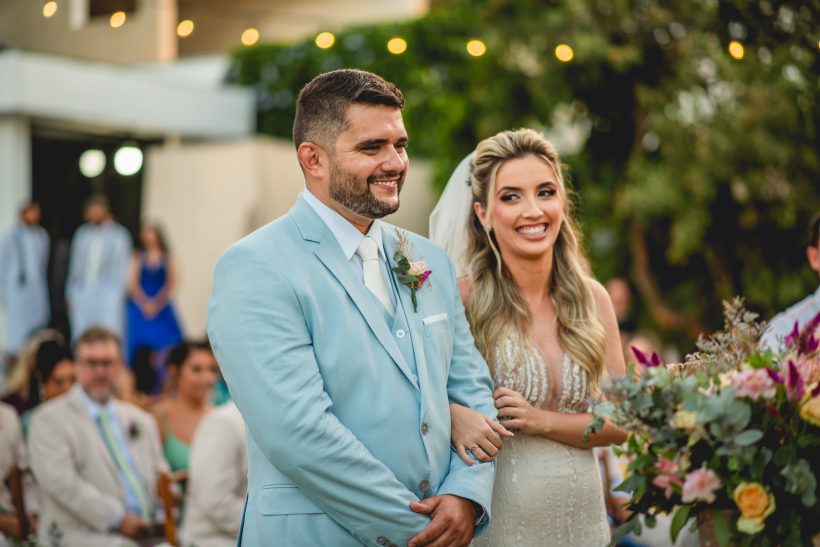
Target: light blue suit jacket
{"type": "Point", "coordinates": [345, 431]}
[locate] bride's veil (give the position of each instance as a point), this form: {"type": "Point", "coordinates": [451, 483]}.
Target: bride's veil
{"type": "Point", "coordinates": [448, 221]}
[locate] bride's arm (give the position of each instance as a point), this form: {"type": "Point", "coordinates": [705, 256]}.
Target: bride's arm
{"type": "Point", "coordinates": [471, 430]}
{"type": "Point", "coordinates": [569, 428]}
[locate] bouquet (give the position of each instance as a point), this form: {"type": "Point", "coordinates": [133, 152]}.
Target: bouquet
{"type": "Point", "coordinates": [730, 437]}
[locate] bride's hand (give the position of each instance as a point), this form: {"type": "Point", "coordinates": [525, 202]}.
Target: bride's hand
{"type": "Point", "coordinates": [514, 410]}
{"type": "Point", "coordinates": [473, 431]}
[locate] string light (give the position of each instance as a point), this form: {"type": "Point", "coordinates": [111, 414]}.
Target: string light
{"type": "Point", "coordinates": [185, 28]}
{"type": "Point", "coordinates": [49, 9]}
{"type": "Point", "coordinates": [250, 36]}
{"type": "Point", "coordinates": [564, 53]}
{"type": "Point", "coordinates": [117, 19]}
{"type": "Point", "coordinates": [736, 50]}
{"type": "Point", "coordinates": [397, 45]}
{"type": "Point", "coordinates": [476, 48]}
{"type": "Point", "coordinates": [325, 40]}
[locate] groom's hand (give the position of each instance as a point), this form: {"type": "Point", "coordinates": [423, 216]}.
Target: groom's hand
{"type": "Point", "coordinates": [452, 521]}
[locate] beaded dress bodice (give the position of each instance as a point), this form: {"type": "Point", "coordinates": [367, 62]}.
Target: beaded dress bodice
{"type": "Point", "coordinates": [547, 493]}
{"type": "Point", "coordinates": [521, 367]}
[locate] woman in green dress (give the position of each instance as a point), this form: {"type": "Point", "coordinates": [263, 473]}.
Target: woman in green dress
{"type": "Point", "coordinates": [192, 372]}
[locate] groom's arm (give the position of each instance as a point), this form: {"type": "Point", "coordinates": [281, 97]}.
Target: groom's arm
{"type": "Point", "coordinates": [263, 345]}
{"type": "Point", "coordinates": [469, 384]}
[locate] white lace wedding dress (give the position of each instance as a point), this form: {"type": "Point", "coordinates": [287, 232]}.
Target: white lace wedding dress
{"type": "Point", "coordinates": [546, 493]}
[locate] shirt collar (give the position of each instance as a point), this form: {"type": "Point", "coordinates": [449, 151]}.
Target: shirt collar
{"type": "Point", "coordinates": [345, 233]}
{"type": "Point", "coordinates": [94, 408]}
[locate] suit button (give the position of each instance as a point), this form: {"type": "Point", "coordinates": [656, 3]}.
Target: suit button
{"type": "Point", "coordinates": [382, 540]}
{"type": "Point", "coordinates": [424, 428]}
{"type": "Point", "coordinates": [424, 485]}
{"type": "Point", "coordinates": [400, 333]}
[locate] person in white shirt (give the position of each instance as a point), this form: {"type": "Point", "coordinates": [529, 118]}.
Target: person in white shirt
{"type": "Point", "coordinates": [783, 323]}
{"type": "Point", "coordinates": [217, 480]}
{"type": "Point", "coordinates": [96, 459]}
{"type": "Point", "coordinates": [98, 271]}
{"type": "Point", "coordinates": [24, 279]}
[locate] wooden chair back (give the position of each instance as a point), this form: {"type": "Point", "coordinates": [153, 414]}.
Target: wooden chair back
{"type": "Point", "coordinates": [171, 501]}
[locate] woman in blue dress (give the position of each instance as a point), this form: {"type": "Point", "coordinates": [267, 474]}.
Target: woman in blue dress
{"type": "Point", "coordinates": [152, 322]}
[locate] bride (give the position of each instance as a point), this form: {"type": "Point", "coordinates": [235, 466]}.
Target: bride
{"type": "Point", "coordinates": [548, 332]}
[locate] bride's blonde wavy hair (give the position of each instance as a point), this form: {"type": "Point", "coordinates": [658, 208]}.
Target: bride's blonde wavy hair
{"type": "Point", "coordinates": [496, 304]}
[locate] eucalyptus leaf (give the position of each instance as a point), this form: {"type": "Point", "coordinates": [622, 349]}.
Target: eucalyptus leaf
{"type": "Point", "coordinates": [679, 520]}
{"type": "Point", "coordinates": [749, 437]}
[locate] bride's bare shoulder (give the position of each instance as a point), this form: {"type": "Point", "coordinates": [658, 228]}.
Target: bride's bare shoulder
{"type": "Point", "coordinates": [465, 288]}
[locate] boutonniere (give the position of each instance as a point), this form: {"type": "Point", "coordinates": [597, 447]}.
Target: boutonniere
{"type": "Point", "coordinates": [133, 431]}
{"type": "Point", "coordinates": [410, 273]}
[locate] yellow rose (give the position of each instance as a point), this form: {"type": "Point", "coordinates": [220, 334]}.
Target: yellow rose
{"type": "Point", "coordinates": [810, 410]}
{"type": "Point", "coordinates": [755, 504]}
{"type": "Point", "coordinates": [683, 419]}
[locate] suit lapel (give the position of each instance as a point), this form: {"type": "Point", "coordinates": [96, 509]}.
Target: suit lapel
{"type": "Point", "coordinates": [411, 316]}
{"type": "Point", "coordinates": [92, 434]}
{"type": "Point", "coordinates": [328, 252]}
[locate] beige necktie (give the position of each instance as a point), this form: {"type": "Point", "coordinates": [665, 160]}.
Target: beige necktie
{"type": "Point", "coordinates": [369, 253]}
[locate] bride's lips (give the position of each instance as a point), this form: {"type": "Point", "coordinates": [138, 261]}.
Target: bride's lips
{"type": "Point", "coordinates": [533, 231]}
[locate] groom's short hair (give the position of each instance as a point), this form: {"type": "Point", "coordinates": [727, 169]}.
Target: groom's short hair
{"type": "Point", "coordinates": [322, 104]}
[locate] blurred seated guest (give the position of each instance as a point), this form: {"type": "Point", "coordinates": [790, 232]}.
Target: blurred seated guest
{"type": "Point", "coordinates": [621, 296]}
{"type": "Point", "coordinates": [783, 323]}
{"type": "Point", "coordinates": [24, 279]}
{"type": "Point", "coordinates": [98, 271]}
{"type": "Point", "coordinates": [12, 453]}
{"type": "Point", "coordinates": [217, 480]}
{"type": "Point", "coordinates": [21, 390]}
{"type": "Point", "coordinates": [96, 459]}
{"type": "Point", "coordinates": [151, 319]}
{"type": "Point", "coordinates": [54, 373]}
{"type": "Point", "coordinates": [192, 371]}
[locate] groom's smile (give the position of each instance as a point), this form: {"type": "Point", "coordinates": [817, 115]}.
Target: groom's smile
{"type": "Point", "coordinates": [369, 163]}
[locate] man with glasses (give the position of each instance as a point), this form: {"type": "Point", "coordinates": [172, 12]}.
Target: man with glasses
{"type": "Point", "coordinates": [783, 323]}
{"type": "Point", "coordinates": [96, 458]}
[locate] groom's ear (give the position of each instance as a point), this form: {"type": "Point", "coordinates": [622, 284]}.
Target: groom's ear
{"type": "Point", "coordinates": [313, 159]}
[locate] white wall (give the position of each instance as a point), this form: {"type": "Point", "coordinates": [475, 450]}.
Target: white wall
{"type": "Point", "coordinates": [209, 196]}
{"type": "Point", "coordinates": [15, 176]}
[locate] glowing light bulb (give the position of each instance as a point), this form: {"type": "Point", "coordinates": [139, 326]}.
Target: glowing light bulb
{"type": "Point", "coordinates": [397, 45]}
{"type": "Point", "coordinates": [736, 50]}
{"type": "Point", "coordinates": [476, 48]}
{"type": "Point", "coordinates": [564, 53]}
{"type": "Point", "coordinates": [49, 9]}
{"type": "Point", "coordinates": [250, 36]}
{"type": "Point", "coordinates": [185, 28]}
{"type": "Point", "coordinates": [325, 40]}
{"type": "Point", "coordinates": [117, 19]}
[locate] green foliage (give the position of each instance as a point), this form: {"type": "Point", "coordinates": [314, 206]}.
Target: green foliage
{"type": "Point", "coordinates": [698, 172]}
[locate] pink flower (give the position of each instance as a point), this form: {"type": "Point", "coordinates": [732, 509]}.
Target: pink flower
{"type": "Point", "coordinates": [666, 476]}
{"type": "Point", "coordinates": [754, 384]}
{"type": "Point", "coordinates": [700, 484]}
{"type": "Point", "coordinates": [417, 268]}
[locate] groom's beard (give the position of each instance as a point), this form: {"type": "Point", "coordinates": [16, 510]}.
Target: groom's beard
{"type": "Point", "coordinates": [354, 193]}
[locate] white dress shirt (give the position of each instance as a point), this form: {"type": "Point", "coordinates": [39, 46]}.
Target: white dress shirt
{"type": "Point", "coordinates": [349, 238]}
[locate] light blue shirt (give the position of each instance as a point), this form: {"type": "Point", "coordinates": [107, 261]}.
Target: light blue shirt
{"type": "Point", "coordinates": [132, 503]}
{"type": "Point", "coordinates": [350, 238]}
{"type": "Point", "coordinates": [782, 324]}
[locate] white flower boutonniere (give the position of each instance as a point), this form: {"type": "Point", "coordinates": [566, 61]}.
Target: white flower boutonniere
{"type": "Point", "coordinates": [410, 273]}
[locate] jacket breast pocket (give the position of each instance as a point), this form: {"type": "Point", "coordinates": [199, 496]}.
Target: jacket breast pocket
{"type": "Point", "coordinates": [438, 337]}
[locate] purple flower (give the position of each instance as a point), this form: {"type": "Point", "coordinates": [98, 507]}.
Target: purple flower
{"type": "Point", "coordinates": [795, 387]}
{"type": "Point", "coordinates": [652, 361]}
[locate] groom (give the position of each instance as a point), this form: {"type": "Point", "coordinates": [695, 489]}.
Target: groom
{"type": "Point", "coordinates": [342, 371]}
